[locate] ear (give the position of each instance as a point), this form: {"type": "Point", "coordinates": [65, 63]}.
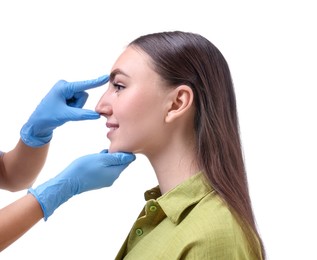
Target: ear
{"type": "Point", "coordinates": [181, 100]}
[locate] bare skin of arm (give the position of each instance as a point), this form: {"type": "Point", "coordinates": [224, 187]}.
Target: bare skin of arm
{"type": "Point", "coordinates": [18, 170]}
{"type": "Point", "coordinates": [17, 218]}
{"type": "Point", "coordinates": [20, 166]}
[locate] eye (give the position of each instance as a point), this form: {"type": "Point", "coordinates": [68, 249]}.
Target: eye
{"type": "Point", "coordinates": [118, 87]}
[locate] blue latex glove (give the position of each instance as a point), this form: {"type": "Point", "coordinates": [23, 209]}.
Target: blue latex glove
{"type": "Point", "coordinates": [62, 103]}
{"type": "Point", "coordinates": [86, 173]}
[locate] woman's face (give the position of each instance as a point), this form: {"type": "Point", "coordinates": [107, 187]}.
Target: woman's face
{"type": "Point", "coordinates": [135, 105]}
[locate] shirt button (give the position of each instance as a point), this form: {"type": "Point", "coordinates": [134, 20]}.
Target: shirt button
{"type": "Point", "coordinates": [153, 208]}
{"type": "Point", "coordinates": [139, 232]}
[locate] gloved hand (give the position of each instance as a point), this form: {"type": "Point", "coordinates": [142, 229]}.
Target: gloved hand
{"type": "Point", "coordinates": [62, 103]}
{"type": "Point", "coordinates": [86, 173]}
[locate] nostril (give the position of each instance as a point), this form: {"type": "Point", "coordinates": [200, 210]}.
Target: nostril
{"type": "Point", "coordinates": [107, 110]}
{"type": "Point", "coordinates": [104, 110]}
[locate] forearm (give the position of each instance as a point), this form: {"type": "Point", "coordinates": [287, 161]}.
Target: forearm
{"type": "Point", "coordinates": [17, 218]}
{"type": "Point", "coordinates": [22, 165]}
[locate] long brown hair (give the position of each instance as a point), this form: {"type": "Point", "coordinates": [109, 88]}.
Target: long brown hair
{"type": "Point", "coordinates": [188, 58]}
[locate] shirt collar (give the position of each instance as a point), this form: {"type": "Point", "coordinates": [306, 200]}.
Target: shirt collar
{"type": "Point", "coordinates": [184, 195]}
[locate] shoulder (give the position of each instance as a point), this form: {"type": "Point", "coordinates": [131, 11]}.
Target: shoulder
{"type": "Point", "coordinates": [215, 231]}
{"type": "Point", "coordinates": [211, 209]}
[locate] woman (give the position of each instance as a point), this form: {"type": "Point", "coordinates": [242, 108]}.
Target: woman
{"type": "Point", "coordinates": [172, 99]}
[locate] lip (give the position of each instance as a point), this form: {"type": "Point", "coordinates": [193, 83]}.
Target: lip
{"type": "Point", "coordinates": [112, 127]}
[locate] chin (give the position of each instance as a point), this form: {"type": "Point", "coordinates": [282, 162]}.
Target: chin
{"type": "Point", "coordinates": [113, 149]}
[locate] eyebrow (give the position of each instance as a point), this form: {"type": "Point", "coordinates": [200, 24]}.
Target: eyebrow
{"type": "Point", "coordinates": [117, 72]}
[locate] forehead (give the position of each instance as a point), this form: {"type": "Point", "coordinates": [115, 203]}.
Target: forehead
{"type": "Point", "coordinates": [131, 61]}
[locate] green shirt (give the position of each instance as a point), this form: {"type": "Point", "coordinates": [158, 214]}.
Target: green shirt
{"type": "Point", "coordinates": [188, 222]}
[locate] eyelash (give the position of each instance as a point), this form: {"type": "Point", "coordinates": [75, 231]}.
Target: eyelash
{"type": "Point", "coordinates": [118, 87]}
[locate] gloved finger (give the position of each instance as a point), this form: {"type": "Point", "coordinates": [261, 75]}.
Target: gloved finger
{"type": "Point", "coordinates": [78, 100]}
{"type": "Point", "coordinates": [119, 158]}
{"type": "Point", "coordinates": [77, 114]}
{"type": "Point", "coordinates": [79, 86]}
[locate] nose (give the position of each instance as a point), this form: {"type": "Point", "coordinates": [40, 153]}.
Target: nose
{"type": "Point", "coordinates": [103, 106]}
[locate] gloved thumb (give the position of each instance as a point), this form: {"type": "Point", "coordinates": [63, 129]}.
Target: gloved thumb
{"type": "Point", "coordinates": [118, 158]}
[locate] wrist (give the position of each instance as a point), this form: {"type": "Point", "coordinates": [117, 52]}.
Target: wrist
{"type": "Point", "coordinates": [52, 194]}
{"type": "Point", "coordinates": [32, 192]}
{"type": "Point", "coordinates": [31, 138]}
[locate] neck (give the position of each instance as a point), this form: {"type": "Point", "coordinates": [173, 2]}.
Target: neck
{"type": "Point", "coordinates": [175, 164]}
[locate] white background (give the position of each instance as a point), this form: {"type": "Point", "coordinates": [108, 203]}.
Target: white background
{"type": "Point", "coordinates": [271, 49]}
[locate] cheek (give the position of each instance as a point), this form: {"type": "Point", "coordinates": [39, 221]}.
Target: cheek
{"type": "Point", "coordinates": [136, 105]}
{"type": "Point", "coordinates": [143, 112]}
{"type": "Point", "coordinates": [137, 118]}
{"type": "Point", "coordinates": [140, 128]}
{"type": "Point", "coordinates": [140, 115]}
